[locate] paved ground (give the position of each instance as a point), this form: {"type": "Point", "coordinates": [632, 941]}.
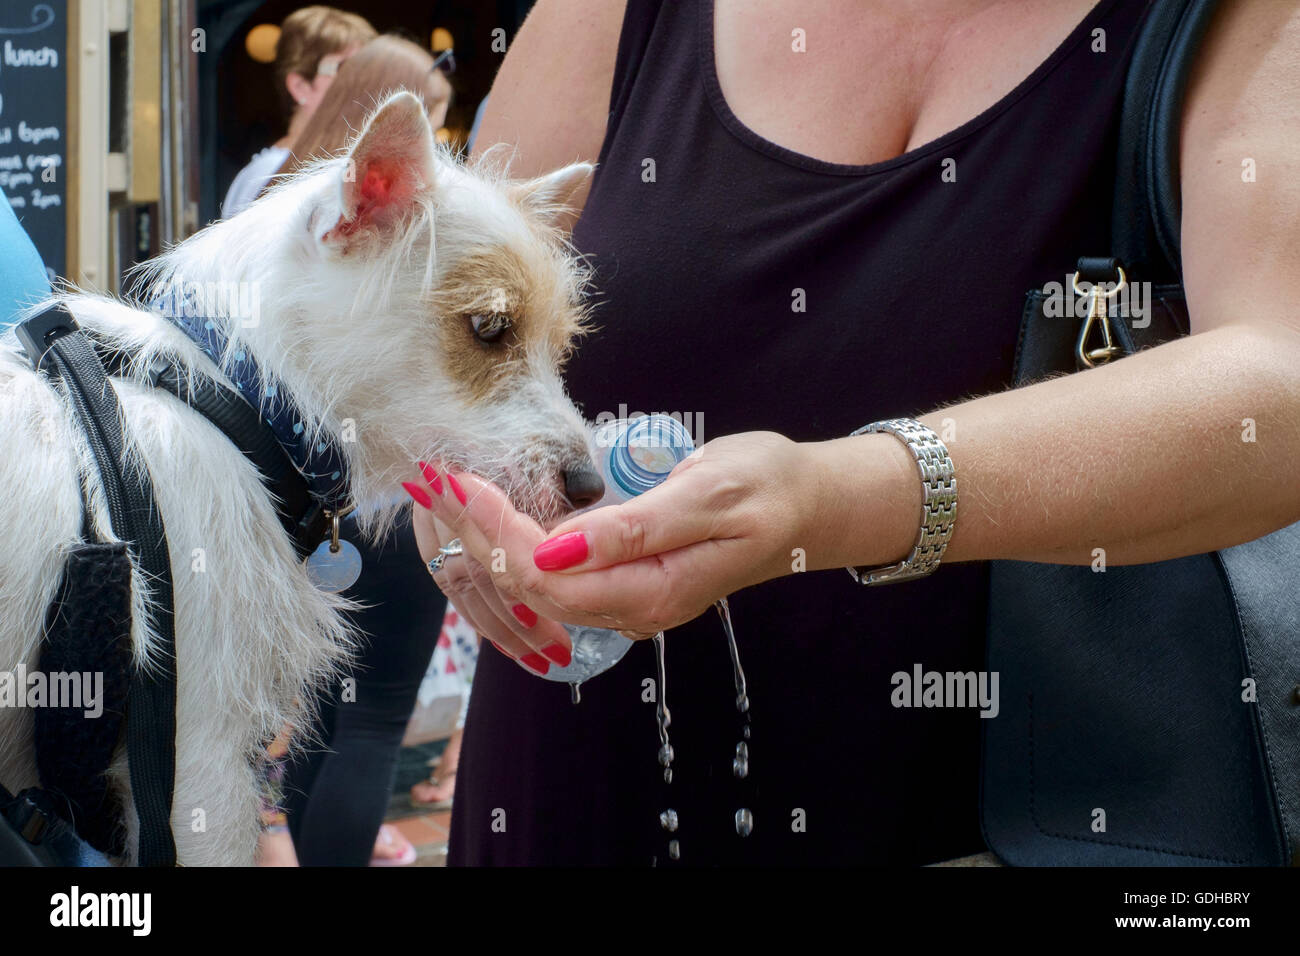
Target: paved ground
{"type": "Point", "coordinates": [979, 859]}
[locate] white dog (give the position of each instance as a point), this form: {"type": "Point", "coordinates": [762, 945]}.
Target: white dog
{"type": "Point", "coordinates": [415, 309]}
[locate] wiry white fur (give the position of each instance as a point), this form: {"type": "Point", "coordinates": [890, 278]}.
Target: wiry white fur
{"type": "Point", "coordinates": [351, 336]}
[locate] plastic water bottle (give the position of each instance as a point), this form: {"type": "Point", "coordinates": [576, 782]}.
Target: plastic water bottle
{"type": "Point", "coordinates": [634, 455]}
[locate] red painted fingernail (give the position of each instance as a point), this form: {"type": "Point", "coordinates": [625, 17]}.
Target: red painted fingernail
{"type": "Point", "coordinates": [562, 552]}
{"type": "Point", "coordinates": [431, 476]}
{"type": "Point", "coordinates": [526, 615]}
{"type": "Point", "coordinates": [419, 494]}
{"type": "Point", "coordinates": [501, 649]}
{"type": "Point", "coordinates": [535, 662]}
{"type": "Point", "coordinates": [558, 653]}
{"type": "Point", "coordinates": [456, 488]}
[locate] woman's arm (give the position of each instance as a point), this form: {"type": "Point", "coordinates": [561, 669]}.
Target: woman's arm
{"type": "Point", "coordinates": [1149, 458]}
{"type": "Point", "coordinates": [1144, 458]}
{"type": "Point", "coordinates": [550, 100]}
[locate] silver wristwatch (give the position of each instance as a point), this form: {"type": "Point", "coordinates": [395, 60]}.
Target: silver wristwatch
{"type": "Point", "coordinates": [938, 507]}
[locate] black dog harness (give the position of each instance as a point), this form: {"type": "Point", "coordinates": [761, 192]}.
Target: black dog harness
{"type": "Point", "coordinates": [88, 628]}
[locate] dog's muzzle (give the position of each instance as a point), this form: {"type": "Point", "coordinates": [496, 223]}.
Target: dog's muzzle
{"type": "Point", "coordinates": [451, 549]}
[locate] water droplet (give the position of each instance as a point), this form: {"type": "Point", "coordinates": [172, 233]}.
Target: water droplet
{"type": "Point", "coordinates": [674, 850]}
{"type": "Point", "coordinates": [661, 668]}
{"type": "Point", "coordinates": [747, 731]}
{"type": "Point", "coordinates": [668, 775]}
{"type": "Point", "coordinates": [740, 766]}
{"type": "Point", "coordinates": [738, 672]}
{"type": "Point", "coordinates": [744, 822]}
{"type": "Point", "coordinates": [668, 820]}
{"type": "Point", "coordinates": [742, 703]}
{"type": "Point", "coordinates": [575, 693]}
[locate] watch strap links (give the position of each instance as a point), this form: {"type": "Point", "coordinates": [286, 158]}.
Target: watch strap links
{"type": "Point", "coordinates": [938, 506]}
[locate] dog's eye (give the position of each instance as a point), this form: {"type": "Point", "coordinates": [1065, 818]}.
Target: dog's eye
{"type": "Point", "coordinates": [489, 326]}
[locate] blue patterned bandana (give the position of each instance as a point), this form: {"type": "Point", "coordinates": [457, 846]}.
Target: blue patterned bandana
{"type": "Point", "coordinates": [319, 461]}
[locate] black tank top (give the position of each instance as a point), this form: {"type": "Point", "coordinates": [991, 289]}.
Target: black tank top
{"type": "Point", "coordinates": [912, 289]}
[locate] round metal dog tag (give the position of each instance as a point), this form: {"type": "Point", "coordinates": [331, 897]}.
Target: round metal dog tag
{"type": "Point", "coordinates": [334, 570]}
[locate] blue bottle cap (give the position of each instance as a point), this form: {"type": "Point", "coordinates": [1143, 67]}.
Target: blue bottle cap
{"type": "Point", "coordinates": [640, 452]}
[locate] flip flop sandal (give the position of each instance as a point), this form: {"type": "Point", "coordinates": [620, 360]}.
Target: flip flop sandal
{"type": "Point", "coordinates": [435, 804]}
{"type": "Point", "coordinates": [391, 836]}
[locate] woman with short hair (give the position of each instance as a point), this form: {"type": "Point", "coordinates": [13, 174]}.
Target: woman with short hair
{"type": "Point", "coordinates": [312, 45]}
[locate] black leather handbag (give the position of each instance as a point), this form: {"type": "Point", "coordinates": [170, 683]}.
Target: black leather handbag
{"type": "Point", "coordinates": [1150, 714]}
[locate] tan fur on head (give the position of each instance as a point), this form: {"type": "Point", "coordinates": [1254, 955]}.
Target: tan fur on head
{"type": "Point", "coordinates": [540, 319]}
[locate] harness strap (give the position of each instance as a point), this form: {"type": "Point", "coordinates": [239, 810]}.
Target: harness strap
{"type": "Point", "coordinates": [53, 342]}
{"type": "Point", "coordinates": [87, 638]}
{"type": "Point", "coordinates": [302, 514]}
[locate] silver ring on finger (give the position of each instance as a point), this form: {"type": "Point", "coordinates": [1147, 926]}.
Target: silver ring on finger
{"type": "Point", "coordinates": [451, 549]}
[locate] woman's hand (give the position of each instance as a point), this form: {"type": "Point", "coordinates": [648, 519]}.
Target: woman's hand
{"type": "Point", "coordinates": [742, 509]}
{"type": "Point", "coordinates": [509, 625]}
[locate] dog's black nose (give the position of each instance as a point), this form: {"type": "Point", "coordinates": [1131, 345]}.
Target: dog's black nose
{"type": "Point", "coordinates": [583, 485]}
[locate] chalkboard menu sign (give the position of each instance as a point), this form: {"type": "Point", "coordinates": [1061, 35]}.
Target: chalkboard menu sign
{"type": "Point", "coordinates": [33, 121]}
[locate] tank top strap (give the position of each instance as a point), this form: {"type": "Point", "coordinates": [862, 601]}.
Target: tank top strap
{"type": "Point", "coordinates": [639, 19]}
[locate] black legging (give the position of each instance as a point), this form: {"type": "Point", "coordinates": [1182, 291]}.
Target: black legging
{"type": "Point", "coordinates": [336, 796]}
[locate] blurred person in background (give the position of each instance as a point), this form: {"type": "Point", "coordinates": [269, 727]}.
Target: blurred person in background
{"type": "Point", "coordinates": [23, 279]}
{"type": "Point", "coordinates": [336, 796]}
{"type": "Point", "coordinates": [313, 44]}
{"type": "Point", "coordinates": [454, 663]}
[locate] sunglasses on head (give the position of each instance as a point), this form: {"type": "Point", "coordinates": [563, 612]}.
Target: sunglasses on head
{"type": "Point", "coordinates": [444, 62]}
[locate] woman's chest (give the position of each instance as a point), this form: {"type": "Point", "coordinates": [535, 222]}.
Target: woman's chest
{"type": "Point", "coordinates": [767, 288]}
{"type": "Point", "coordinates": [862, 81]}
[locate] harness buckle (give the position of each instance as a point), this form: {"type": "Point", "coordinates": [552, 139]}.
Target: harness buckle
{"type": "Point", "coordinates": [38, 333]}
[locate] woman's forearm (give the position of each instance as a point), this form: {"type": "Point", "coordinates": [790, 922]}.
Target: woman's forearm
{"type": "Point", "coordinates": [1178, 450]}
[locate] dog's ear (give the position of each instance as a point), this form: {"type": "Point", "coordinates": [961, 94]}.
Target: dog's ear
{"type": "Point", "coordinates": [389, 164]}
{"type": "Point", "coordinates": [548, 197]}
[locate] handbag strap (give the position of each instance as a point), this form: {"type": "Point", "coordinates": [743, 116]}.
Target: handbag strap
{"type": "Point", "coordinates": [1147, 207]}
